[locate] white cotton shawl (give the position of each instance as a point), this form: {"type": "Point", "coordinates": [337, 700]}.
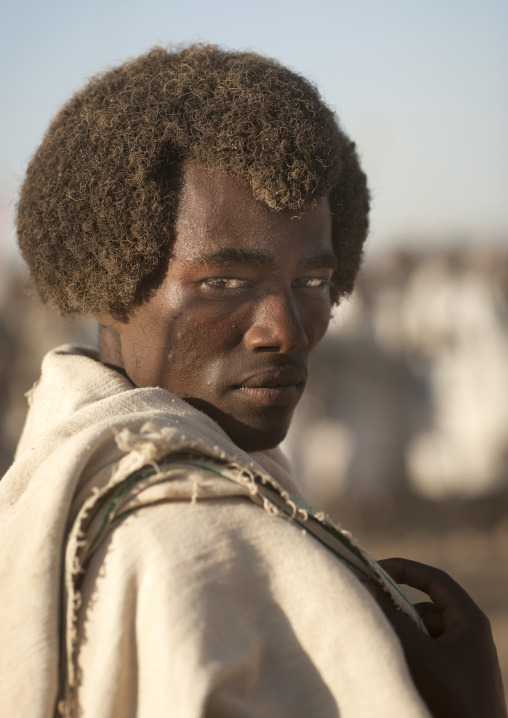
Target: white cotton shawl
{"type": "Point", "coordinates": [102, 466]}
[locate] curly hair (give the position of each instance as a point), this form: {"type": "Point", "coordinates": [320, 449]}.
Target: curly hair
{"type": "Point", "coordinates": [97, 209]}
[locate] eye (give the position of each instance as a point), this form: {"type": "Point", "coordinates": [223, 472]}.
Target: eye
{"type": "Point", "coordinates": [313, 283]}
{"type": "Point", "coordinates": [225, 284]}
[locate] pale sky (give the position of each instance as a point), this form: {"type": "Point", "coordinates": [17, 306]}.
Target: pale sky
{"type": "Point", "coordinates": [420, 85]}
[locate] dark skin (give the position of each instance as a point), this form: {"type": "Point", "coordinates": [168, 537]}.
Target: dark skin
{"type": "Point", "coordinates": [455, 667]}
{"type": "Point", "coordinates": [245, 300]}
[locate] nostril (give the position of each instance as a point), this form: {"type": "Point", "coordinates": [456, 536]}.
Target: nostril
{"type": "Point", "coordinates": [276, 325]}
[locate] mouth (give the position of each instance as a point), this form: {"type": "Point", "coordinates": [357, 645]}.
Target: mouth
{"type": "Point", "coordinates": [274, 387]}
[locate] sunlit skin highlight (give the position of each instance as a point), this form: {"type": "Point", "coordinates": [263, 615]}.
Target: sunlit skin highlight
{"type": "Point", "coordinates": [244, 301]}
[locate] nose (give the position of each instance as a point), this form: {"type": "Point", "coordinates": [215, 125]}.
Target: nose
{"type": "Point", "coordinates": [276, 326]}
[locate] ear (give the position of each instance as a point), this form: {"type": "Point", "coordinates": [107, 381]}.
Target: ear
{"type": "Point", "coordinates": [105, 320]}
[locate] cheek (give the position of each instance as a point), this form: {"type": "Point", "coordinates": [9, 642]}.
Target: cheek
{"type": "Point", "coordinates": [316, 322]}
{"type": "Point", "coordinates": [210, 330]}
{"type": "Point", "coordinates": [201, 339]}
{"type": "Point", "coordinates": [319, 333]}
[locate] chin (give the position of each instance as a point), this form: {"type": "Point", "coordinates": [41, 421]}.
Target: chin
{"type": "Point", "coordinates": [262, 442]}
{"type": "Point", "coordinates": [258, 437]}
{"type": "Point", "coordinates": [265, 432]}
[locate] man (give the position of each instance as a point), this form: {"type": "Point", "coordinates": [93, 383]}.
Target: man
{"type": "Point", "coordinates": [206, 208]}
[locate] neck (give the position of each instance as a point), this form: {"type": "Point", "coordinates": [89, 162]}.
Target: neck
{"type": "Point", "coordinates": [110, 345]}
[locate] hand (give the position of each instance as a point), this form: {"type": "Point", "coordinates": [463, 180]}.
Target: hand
{"type": "Point", "coordinates": [455, 668]}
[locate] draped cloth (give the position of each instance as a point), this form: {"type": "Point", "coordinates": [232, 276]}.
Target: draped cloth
{"type": "Point", "coordinates": [149, 567]}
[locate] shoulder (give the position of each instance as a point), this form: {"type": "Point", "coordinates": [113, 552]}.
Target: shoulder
{"type": "Point", "coordinates": [226, 603]}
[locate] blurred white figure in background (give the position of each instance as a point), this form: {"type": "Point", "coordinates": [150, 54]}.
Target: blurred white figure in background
{"type": "Point", "coordinates": [453, 315]}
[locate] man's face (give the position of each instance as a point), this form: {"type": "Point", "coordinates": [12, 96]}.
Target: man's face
{"type": "Point", "coordinates": [245, 300]}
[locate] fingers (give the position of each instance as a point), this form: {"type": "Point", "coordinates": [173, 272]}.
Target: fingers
{"type": "Point", "coordinates": [455, 605]}
{"type": "Point", "coordinates": [432, 617]}
{"type": "Point", "coordinates": [456, 669]}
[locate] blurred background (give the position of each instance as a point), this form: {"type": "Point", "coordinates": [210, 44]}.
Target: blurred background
{"type": "Point", "coordinates": [403, 433]}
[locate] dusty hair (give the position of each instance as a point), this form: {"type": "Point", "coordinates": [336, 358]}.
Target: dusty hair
{"type": "Point", "coordinates": [97, 209]}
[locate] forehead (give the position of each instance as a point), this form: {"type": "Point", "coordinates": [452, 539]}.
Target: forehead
{"type": "Point", "coordinates": [218, 211]}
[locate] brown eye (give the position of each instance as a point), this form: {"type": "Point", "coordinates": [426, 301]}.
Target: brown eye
{"type": "Point", "coordinates": [315, 282]}
{"type": "Point", "coordinates": [228, 284]}
{"type": "Point", "coordinates": [312, 283]}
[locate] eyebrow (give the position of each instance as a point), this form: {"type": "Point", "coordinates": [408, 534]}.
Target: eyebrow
{"type": "Point", "coordinates": [235, 255]}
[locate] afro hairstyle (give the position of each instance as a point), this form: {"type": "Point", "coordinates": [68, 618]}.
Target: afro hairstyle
{"type": "Point", "coordinates": [97, 209]}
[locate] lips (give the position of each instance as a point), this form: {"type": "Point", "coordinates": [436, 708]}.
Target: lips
{"type": "Point", "coordinates": [274, 387]}
{"type": "Point", "coordinates": [271, 378]}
